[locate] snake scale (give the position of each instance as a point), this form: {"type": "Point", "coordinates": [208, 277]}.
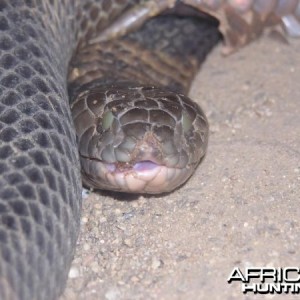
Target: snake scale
{"type": "Point", "coordinates": [40, 180]}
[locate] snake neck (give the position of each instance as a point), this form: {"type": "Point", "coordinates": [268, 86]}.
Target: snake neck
{"type": "Point", "coordinates": [165, 52]}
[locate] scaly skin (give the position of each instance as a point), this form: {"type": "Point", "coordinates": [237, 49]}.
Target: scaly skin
{"type": "Point", "coordinates": [241, 21]}
{"type": "Point", "coordinates": [40, 185]}
{"type": "Point", "coordinates": [136, 131]}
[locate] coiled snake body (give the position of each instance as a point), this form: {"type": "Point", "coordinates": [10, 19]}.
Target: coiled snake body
{"type": "Point", "coordinates": [40, 183]}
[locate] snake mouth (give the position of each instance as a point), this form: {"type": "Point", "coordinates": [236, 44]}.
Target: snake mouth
{"type": "Point", "coordinates": [141, 166]}
{"type": "Point", "coordinates": [137, 177]}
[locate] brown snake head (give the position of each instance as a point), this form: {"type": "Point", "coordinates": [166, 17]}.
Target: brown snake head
{"type": "Point", "coordinates": [136, 131]}
{"type": "Point", "coordinates": [138, 139]}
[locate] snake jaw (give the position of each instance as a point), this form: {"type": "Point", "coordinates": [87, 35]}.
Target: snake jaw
{"type": "Point", "coordinates": [140, 177]}
{"type": "Point", "coordinates": [144, 173]}
{"type": "Point", "coordinates": [148, 169]}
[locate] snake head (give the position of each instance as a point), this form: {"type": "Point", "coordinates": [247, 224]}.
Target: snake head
{"type": "Point", "coordinates": [138, 139]}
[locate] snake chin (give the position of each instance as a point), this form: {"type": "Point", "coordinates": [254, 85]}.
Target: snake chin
{"type": "Point", "coordinates": [140, 177]}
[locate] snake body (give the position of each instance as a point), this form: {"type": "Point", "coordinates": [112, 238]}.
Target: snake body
{"type": "Point", "coordinates": [40, 183]}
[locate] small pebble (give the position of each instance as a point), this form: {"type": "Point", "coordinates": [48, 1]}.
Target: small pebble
{"type": "Point", "coordinates": [86, 247]}
{"type": "Point", "coordinates": [128, 242]}
{"type": "Point", "coordinates": [156, 263]}
{"type": "Point", "coordinates": [85, 193]}
{"type": "Point", "coordinates": [73, 273]}
{"type": "Point", "coordinates": [112, 294]}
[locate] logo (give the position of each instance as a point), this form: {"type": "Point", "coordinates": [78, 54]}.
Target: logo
{"type": "Point", "coordinates": [267, 280]}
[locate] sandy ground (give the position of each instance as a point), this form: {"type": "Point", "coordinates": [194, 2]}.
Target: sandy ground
{"type": "Point", "coordinates": [240, 209]}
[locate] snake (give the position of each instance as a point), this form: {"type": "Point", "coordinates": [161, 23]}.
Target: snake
{"type": "Point", "coordinates": [94, 91]}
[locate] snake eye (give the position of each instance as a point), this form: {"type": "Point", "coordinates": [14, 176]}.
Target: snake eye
{"type": "Point", "coordinates": [186, 122]}
{"type": "Point", "coordinates": [107, 120]}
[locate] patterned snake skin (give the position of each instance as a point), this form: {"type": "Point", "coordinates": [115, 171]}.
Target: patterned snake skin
{"type": "Point", "coordinates": [40, 183]}
{"type": "Point", "coordinates": [136, 130]}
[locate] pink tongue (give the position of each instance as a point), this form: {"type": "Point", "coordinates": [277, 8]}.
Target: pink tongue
{"type": "Point", "coordinates": [144, 166]}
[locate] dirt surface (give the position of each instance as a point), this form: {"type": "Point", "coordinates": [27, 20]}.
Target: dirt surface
{"type": "Point", "coordinates": [240, 209]}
